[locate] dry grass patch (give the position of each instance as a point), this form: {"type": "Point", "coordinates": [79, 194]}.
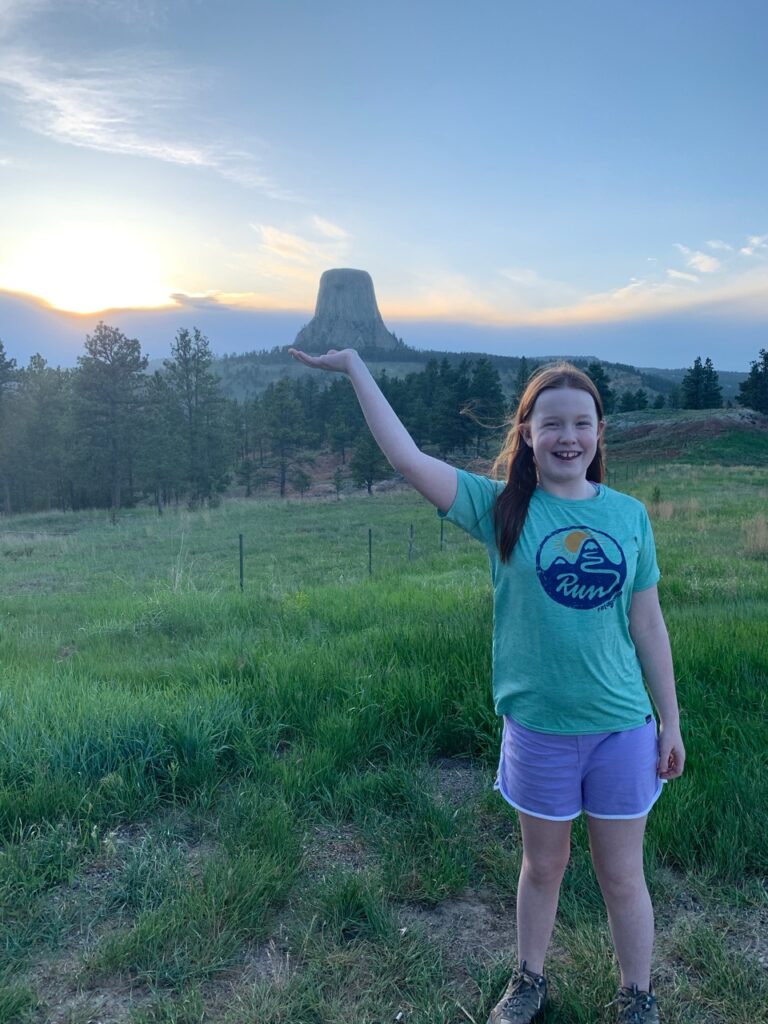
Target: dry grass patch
{"type": "Point", "coordinates": [755, 533]}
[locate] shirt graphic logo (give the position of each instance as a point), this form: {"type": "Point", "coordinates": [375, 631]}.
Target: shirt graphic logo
{"type": "Point", "coordinates": [581, 567]}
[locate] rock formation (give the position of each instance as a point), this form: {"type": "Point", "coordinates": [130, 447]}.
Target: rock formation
{"type": "Point", "coordinates": [346, 315]}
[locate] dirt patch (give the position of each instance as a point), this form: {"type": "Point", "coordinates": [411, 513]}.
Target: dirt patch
{"type": "Point", "coordinates": [473, 926]}
{"type": "Point", "coordinates": [330, 847]}
{"type": "Point", "coordinates": [459, 780]}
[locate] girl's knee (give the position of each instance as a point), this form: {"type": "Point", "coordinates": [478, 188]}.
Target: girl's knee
{"type": "Point", "coordinates": [620, 879]}
{"type": "Point", "coordinates": [546, 868]}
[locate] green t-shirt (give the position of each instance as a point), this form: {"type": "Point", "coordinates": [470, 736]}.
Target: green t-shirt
{"type": "Point", "coordinates": [563, 658]}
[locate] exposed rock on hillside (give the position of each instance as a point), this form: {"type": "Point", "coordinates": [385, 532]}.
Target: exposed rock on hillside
{"type": "Point", "coordinates": [346, 315]}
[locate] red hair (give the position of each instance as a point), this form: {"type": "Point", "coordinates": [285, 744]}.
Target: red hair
{"type": "Point", "coordinates": [516, 457]}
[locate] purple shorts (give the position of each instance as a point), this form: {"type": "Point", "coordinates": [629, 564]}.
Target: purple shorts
{"type": "Point", "coordinates": [604, 774]}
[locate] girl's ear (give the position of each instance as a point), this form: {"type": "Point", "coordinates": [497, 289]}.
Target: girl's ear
{"type": "Point", "coordinates": [601, 429]}
{"type": "Point", "coordinates": [525, 433]}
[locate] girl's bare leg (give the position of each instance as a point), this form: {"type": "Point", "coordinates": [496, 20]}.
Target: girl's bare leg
{"type": "Point", "coordinates": [617, 854]}
{"type": "Point", "coordinates": [546, 849]}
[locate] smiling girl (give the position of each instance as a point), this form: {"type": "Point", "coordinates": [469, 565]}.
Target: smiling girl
{"type": "Point", "coordinates": [578, 635]}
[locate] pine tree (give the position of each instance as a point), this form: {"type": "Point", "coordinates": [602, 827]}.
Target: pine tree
{"type": "Point", "coordinates": [301, 481]}
{"type": "Point", "coordinates": [107, 406]}
{"type": "Point", "coordinates": [598, 376]}
{"type": "Point", "coordinates": [206, 451]}
{"type": "Point", "coordinates": [285, 427]}
{"type": "Point", "coordinates": [486, 407]}
{"type": "Point", "coordinates": [753, 392]}
{"type": "Point", "coordinates": [368, 464]}
{"type": "Point", "coordinates": [641, 399]}
{"type": "Point", "coordinates": [7, 379]}
{"type": "Point", "coordinates": [692, 387]}
{"type": "Point", "coordinates": [628, 401]}
{"type": "Point", "coordinates": [44, 434]}
{"type": "Point", "coordinates": [711, 392]}
{"type": "Point", "coordinates": [161, 456]}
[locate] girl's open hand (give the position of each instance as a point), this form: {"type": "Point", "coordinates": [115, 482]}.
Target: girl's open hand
{"type": "Point", "coordinates": [671, 754]}
{"type": "Point", "coordinates": [339, 362]}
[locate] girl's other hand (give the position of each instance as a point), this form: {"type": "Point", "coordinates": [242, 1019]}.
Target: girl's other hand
{"type": "Point", "coordinates": [671, 753]}
{"type": "Point", "coordinates": [337, 361]}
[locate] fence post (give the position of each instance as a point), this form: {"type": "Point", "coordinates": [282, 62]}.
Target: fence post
{"type": "Point", "coordinates": [241, 562]}
{"type": "Point", "coordinates": [370, 551]}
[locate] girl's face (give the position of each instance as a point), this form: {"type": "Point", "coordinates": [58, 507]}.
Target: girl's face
{"type": "Point", "coordinates": [563, 431]}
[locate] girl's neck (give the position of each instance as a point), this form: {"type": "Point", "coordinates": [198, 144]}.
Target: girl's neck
{"type": "Point", "coordinates": [576, 490]}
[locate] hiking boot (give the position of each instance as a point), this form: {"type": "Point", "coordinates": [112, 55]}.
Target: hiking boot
{"type": "Point", "coordinates": [636, 1006]}
{"type": "Point", "coordinates": [524, 997]}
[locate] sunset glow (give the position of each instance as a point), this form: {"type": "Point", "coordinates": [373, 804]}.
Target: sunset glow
{"type": "Point", "coordinates": [84, 267]}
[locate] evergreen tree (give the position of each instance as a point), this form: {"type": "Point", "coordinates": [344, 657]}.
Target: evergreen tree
{"type": "Point", "coordinates": [753, 392]}
{"type": "Point", "coordinates": [107, 405]}
{"type": "Point", "coordinates": [641, 399]}
{"type": "Point", "coordinates": [7, 379]}
{"type": "Point", "coordinates": [628, 401]}
{"type": "Point", "coordinates": [692, 387]}
{"type": "Point", "coordinates": [368, 463]}
{"type": "Point", "coordinates": [162, 458]}
{"type": "Point", "coordinates": [521, 379]}
{"type": "Point", "coordinates": [658, 402]}
{"type": "Point", "coordinates": [486, 407]}
{"type": "Point", "coordinates": [711, 392]}
{"type": "Point", "coordinates": [449, 427]}
{"type": "Point", "coordinates": [43, 427]}
{"type": "Point", "coordinates": [338, 481]}
{"type": "Point", "coordinates": [600, 379]}
{"type": "Point", "coordinates": [301, 481]}
{"type": "Point", "coordinates": [285, 427]}
{"type": "Point", "coordinates": [205, 449]}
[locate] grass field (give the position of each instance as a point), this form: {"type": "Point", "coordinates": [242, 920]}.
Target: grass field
{"type": "Point", "coordinates": [276, 805]}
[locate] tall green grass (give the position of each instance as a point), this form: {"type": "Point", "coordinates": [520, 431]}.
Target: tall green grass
{"type": "Point", "coordinates": [139, 683]}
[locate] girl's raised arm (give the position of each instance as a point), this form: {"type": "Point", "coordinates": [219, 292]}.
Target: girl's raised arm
{"type": "Point", "coordinates": [434, 479]}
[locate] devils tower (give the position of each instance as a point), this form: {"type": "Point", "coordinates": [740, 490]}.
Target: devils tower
{"type": "Point", "coordinates": [346, 315]}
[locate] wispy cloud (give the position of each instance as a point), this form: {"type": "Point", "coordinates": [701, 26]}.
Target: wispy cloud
{"type": "Point", "coordinates": [207, 301]}
{"type": "Point", "coordinates": [521, 276]}
{"type": "Point", "coordinates": [330, 230]}
{"type": "Point", "coordinates": [13, 13]}
{"type": "Point", "coordinates": [755, 244]}
{"type": "Point", "coordinates": [717, 243]}
{"type": "Point", "coordinates": [680, 275]}
{"type": "Point", "coordinates": [700, 261]}
{"type": "Point", "coordinates": [122, 105]}
{"type": "Point", "coordinates": [308, 251]}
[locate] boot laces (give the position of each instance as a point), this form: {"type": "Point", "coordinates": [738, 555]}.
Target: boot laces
{"type": "Point", "coordinates": [633, 1004]}
{"type": "Point", "coordinates": [524, 981]}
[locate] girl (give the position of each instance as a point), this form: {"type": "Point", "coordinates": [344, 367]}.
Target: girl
{"type": "Point", "coordinates": [577, 625]}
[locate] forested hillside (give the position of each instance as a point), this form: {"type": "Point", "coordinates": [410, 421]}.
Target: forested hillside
{"type": "Point", "coordinates": [110, 433]}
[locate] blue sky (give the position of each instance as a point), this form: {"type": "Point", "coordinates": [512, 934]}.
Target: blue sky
{"type": "Point", "coordinates": [530, 169]}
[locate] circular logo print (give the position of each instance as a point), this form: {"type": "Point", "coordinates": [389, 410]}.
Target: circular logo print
{"type": "Point", "coordinates": [581, 567]}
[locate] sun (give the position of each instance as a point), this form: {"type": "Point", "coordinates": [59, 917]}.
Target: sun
{"type": "Point", "coordinates": [574, 540]}
{"type": "Point", "coordinates": [86, 267]}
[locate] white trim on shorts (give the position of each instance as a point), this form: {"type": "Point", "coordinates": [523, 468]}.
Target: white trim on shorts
{"type": "Point", "coordinates": [630, 817]}
{"type": "Point", "coordinates": [573, 817]}
{"type": "Point", "coordinates": [534, 814]}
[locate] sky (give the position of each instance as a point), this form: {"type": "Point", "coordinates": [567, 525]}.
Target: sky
{"type": "Point", "coordinates": [516, 176]}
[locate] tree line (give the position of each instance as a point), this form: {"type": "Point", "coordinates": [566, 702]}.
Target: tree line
{"type": "Point", "coordinates": [108, 434]}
